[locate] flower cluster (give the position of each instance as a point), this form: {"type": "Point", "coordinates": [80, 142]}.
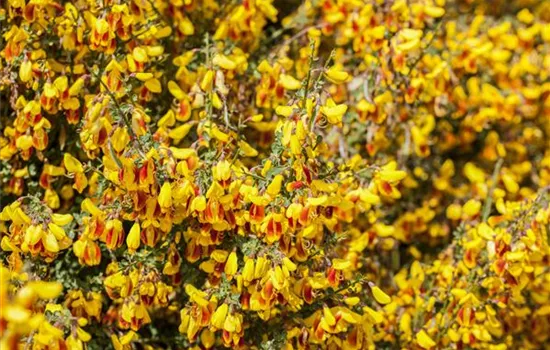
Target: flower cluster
{"type": "Point", "coordinates": [266, 174]}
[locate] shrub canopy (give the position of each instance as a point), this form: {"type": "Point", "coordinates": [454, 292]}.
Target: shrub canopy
{"type": "Point", "coordinates": [269, 174]}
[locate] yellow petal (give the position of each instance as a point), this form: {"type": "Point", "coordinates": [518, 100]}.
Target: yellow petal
{"type": "Point", "coordinates": [424, 340]}
{"type": "Point", "coordinates": [208, 339]}
{"type": "Point", "coordinates": [180, 132]}
{"type": "Point", "coordinates": [50, 243]}
{"type": "Point", "coordinates": [57, 231]}
{"type": "Point", "coordinates": [206, 83]}
{"type": "Point", "coordinates": [247, 150]}
{"type": "Point", "coordinates": [153, 85]}
{"type": "Point", "coordinates": [392, 175]}
{"type": "Point", "coordinates": [140, 54]}
{"type": "Point", "coordinates": [25, 71]}
{"type": "Point", "coordinates": [182, 153]}
{"type": "Point", "coordinates": [128, 337]}
{"type": "Point", "coordinates": [352, 301]}
{"type": "Point", "coordinates": [231, 323]}
{"type": "Point", "coordinates": [198, 203]}
{"type": "Point", "coordinates": [275, 186]}
{"type": "Point", "coordinates": [472, 207]}
{"type": "Point", "coordinates": [224, 62]}
{"type": "Point", "coordinates": [454, 211]}
{"type": "Point", "coordinates": [83, 335]}
{"type": "Point", "coordinates": [216, 101]}
{"type": "Point", "coordinates": [289, 264]}
{"type": "Point", "coordinates": [165, 196]}
{"type": "Point", "coordinates": [380, 296]}
{"type": "Point", "coordinates": [76, 87]}
{"type": "Point", "coordinates": [33, 234]}
{"type": "Point", "coordinates": [144, 76]}
{"type": "Point", "coordinates": [219, 316]}
{"type": "Point", "coordinates": [120, 139]}
{"type": "Point", "coordinates": [434, 11]}
{"type": "Point", "coordinates": [285, 111]}
{"type": "Point", "coordinates": [169, 119]}
{"type": "Point", "coordinates": [88, 206]}
{"type": "Point", "coordinates": [336, 76]}
{"type": "Point", "coordinates": [369, 197]}
{"type": "Point", "coordinates": [47, 290]}
{"type": "Point", "coordinates": [62, 219]}
{"type": "Point", "coordinates": [24, 142]}
{"type": "Point", "coordinates": [16, 314]}
{"type": "Point", "coordinates": [289, 82]}
{"type": "Point", "coordinates": [248, 270]}
{"type": "Point", "coordinates": [375, 315]}
{"type": "Point", "coordinates": [328, 316]}
{"type": "Point", "coordinates": [175, 90]}
{"type": "Point", "coordinates": [257, 117]}
{"type": "Point", "coordinates": [341, 264]}
{"type": "Point", "coordinates": [231, 264]}
{"type": "Point", "coordinates": [133, 240]}
{"type": "Point", "coordinates": [219, 135]}
{"type": "Point", "coordinates": [334, 112]}
{"type": "Point", "coordinates": [72, 164]}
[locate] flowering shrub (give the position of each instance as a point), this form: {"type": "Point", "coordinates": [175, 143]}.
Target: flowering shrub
{"type": "Point", "coordinates": [269, 174]}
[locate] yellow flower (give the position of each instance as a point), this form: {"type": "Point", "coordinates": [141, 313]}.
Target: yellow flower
{"type": "Point", "coordinates": [165, 196]}
{"type": "Point", "coordinates": [140, 54]}
{"type": "Point", "coordinates": [231, 265]}
{"type": "Point", "coordinates": [133, 239]}
{"type": "Point", "coordinates": [219, 316]}
{"type": "Point", "coordinates": [232, 323]}
{"type": "Point", "coordinates": [424, 340]}
{"type": "Point", "coordinates": [46, 290]}
{"type": "Point", "coordinates": [153, 85]}
{"type": "Point", "coordinates": [434, 11]}
{"type": "Point", "coordinates": [180, 132]}
{"type": "Point", "coordinates": [336, 76]}
{"type": "Point", "coordinates": [198, 203]}
{"type": "Point", "coordinates": [206, 83]}
{"type": "Point", "coordinates": [25, 71]}
{"type": "Point", "coordinates": [72, 164]}
{"type": "Point", "coordinates": [454, 211]}
{"type": "Point", "coordinates": [289, 82]}
{"type": "Point", "coordinates": [24, 142]}
{"type": "Point", "coordinates": [471, 207]}
{"type": "Point", "coordinates": [334, 112]}
{"type": "Point", "coordinates": [285, 111]}
{"type": "Point", "coordinates": [380, 296]}
{"type": "Point", "coordinates": [224, 62]}
{"type": "Point", "coordinates": [409, 39]}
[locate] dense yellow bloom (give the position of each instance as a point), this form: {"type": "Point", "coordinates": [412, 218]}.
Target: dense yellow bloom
{"type": "Point", "coordinates": [287, 175]}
